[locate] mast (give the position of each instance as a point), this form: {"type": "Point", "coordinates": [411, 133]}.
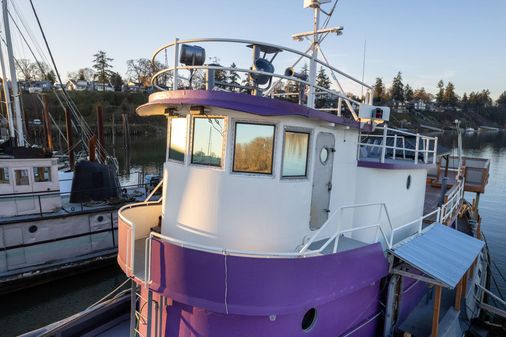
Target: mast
{"type": "Point", "coordinates": [314, 54]}
{"type": "Point", "coordinates": [12, 69]}
{"type": "Point", "coordinates": [7, 95]}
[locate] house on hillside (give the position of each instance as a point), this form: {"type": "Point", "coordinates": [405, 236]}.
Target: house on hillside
{"type": "Point", "coordinates": [98, 86]}
{"type": "Point", "coordinates": [132, 87]}
{"type": "Point", "coordinates": [420, 105]}
{"type": "Point", "coordinates": [77, 85]}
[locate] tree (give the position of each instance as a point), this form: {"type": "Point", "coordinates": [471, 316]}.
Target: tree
{"type": "Point", "coordinates": [102, 66]}
{"type": "Point", "coordinates": [50, 76]}
{"type": "Point", "coordinates": [26, 70]}
{"type": "Point", "coordinates": [116, 81]}
{"type": "Point", "coordinates": [465, 102]}
{"type": "Point", "coordinates": [408, 93]}
{"type": "Point", "coordinates": [397, 90]}
{"type": "Point", "coordinates": [322, 79]}
{"type": "Point", "coordinates": [233, 77]}
{"type": "Point", "coordinates": [441, 93]}
{"type": "Point", "coordinates": [501, 101]}
{"type": "Point", "coordinates": [450, 98]}
{"type": "Point", "coordinates": [379, 91]}
{"type": "Point", "coordinates": [142, 70]}
{"type": "Point", "coordinates": [422, 95]}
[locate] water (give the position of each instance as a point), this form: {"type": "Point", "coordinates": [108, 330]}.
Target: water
{"type": "Point", "coordinates": [38, 306]}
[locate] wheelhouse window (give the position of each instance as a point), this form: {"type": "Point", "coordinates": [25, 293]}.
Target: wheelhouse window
{"type": "Point", "coordinates": [253, 150]}
{"type": "Point", "coordinates": [41, 174]}
{"type": "Point", "coordinates": [4, 175]}
{"type": "Point", "coordinates": [177, 142]}
{"type": "Point", "coordinates": [21, 177]}
{"type": "Point", "coordinates": [295, 154]}
{"type": "Point", "coordinates": [207, 141]}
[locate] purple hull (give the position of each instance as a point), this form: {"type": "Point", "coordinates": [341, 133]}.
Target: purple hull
{"type": "Point", "coordinates": [218, 295]}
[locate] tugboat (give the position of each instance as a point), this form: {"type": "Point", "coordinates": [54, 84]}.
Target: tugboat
{"type": "Point", "coordinates": [283, 216]}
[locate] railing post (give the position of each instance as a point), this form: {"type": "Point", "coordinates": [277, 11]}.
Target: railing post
{"type": "Point", "coordinates": [434, 155]}
{"type": "Point", "coordinates": [176, 63]}
{"type": "Point", "coordinates": [384, 147]}
{"type": "Point", "coordinates": [40, 206]}
{"type": "Point", "coordinates": [426, 154]}
{"type": "Point", "coordinates": [395, 146]}
{"type": "Point", "coordinates": [417, 147]}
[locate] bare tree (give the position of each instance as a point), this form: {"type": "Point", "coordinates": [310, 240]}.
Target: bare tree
{"type": "Point", "coordinates": [141, 70]}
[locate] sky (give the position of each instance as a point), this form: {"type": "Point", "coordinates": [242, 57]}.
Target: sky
{"type": "Point", "coordinates": [459, 41]}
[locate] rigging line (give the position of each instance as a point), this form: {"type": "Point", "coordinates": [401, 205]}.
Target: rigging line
{"type": "Point", "coordinates": [29, 31]}
{"type": "Point", "coordinates": [26, 42]}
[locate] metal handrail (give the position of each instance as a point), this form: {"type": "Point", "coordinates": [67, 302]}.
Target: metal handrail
{"type": "Point", "coordinates": [250, 71]}
{"type": "Point", "coordinates": [253, 42]}
{"type": "Point", "coordinates": [426, 141]}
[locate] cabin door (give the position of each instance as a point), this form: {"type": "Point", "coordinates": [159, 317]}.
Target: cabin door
{"type": "Point", "coordinates": [322, 179]}
{"type": "Point", "coordinates": [23, 184]}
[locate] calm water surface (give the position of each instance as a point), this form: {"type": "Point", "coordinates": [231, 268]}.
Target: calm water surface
{"type": "Point", "coordinates": [35, 307]}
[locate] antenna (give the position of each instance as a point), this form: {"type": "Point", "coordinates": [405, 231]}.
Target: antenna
{"type": "Point", "coordinates": [316, 41]}
{"type": "Point", "coordinates": [363, 69]}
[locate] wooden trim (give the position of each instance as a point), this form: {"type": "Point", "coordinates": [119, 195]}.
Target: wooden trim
{"type": "Point", "coordinates": [458, 294]}
{"type": "Point", "coordinates": [437, 308]}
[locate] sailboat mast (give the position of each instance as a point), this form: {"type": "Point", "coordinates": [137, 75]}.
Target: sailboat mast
{"type": "Point", "coordinates": [7, 95]}
{"type": "Point", "coordinates": [12, 69]}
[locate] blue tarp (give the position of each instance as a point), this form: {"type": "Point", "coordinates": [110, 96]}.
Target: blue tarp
{"type": "Point", "coordinates": [440, 252]}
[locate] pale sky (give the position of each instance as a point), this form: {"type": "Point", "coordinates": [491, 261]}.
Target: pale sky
{"type": "Point", "coordinates": [460, 41]}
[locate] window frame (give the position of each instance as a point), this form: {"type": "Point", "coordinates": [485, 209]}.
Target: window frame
{"type": "Point", "coordinates": [169, 142]}
{"type": "Point", "coordinates": [223, 141]}
{"type": "Point", "coordinates": [308, 132]}
{"type": "Point", "coordinates": [271, 173]}
{"type": "Point", "coordinates": [7, 181]}
{"type": "Point", "coordinates": [36, 168]}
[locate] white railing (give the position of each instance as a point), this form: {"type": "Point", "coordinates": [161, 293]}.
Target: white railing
{"type": "Point", "coordinates": [338, 232]}
{"type": "Point", "coordinates": [175, 71]}
{"type": "Point", "coordinates": [454, 201]}
{"type": "Point", "coordinates": [440, 214]}
{"type": "Point", "coordinates": [428, 149]}
{"type": "Point", "coordinates": [133, 232]}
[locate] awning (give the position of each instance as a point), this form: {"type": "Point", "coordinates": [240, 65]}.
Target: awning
{"type": "Point", "coordinates": [440, 252]}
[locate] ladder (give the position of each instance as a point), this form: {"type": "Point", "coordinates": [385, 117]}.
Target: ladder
{"type": "Point", "coordinates": [142, 311]}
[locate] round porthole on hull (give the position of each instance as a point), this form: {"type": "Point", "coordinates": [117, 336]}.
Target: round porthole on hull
{"type": "Point", "coordinates": [32, 229]}
{"type": "Point", "coordinates": [309, 320]}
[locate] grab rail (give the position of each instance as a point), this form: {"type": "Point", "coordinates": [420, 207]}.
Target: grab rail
{"type": "Point", "coordinates": [429, 155]}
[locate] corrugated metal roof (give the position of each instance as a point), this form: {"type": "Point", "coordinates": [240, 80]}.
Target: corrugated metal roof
{"type": "Point", "coordinates": [440, 252]}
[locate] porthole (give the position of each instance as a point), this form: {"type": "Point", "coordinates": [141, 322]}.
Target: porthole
{"type": "Point", "coordinates": [408, 182]}
{"type": "Point", "coordinates": [100, 218]}
{"type": "Point", "coordinates": [32, 229]}
{"type": "Point", "coordinates": [309, 320]}
{"type": "Point", "coordinates": [324, 155]}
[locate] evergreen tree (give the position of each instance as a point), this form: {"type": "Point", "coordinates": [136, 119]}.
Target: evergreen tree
{"type": "Point", "coordinates": [102, 66]}
{"type": "Point", "coordinates": [379, 91]}
{"type": "Point", "coordinates": [50, 76]}
{"type": "Point", "coordinates": [450, 98]}
{"type": "Point", "coordinates": [397, 90]}
{"type": "Point", "coordinates": [501, 101]}
{"type": "Point", "coordinates": [441, 93]}
{"type": "Point", "coordinates": [233, 77]}
{"type": "Point", "coordinates": [322, 79]}
{"type": "Point", "coordinates": [422, 95]}
{"type": "Point", "coordinates": [116, 81]}
{"type": "Point", "coordinates": [408, 93]}
{"type": "Point", "coordinates": [465, 102]}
